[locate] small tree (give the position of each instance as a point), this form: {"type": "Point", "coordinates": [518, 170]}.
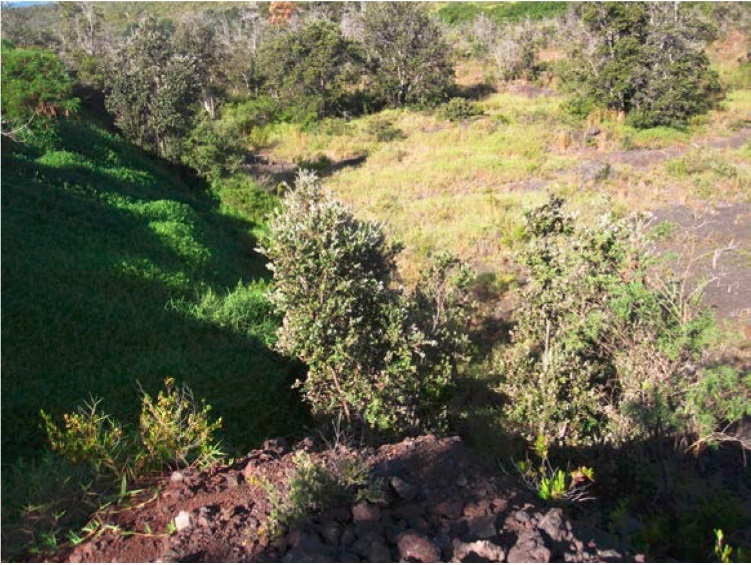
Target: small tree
{"type": "Point", "coordinates": [408, 60]}
{"type": "Point", "coordinates": [314, 67]}
{"type": "Point", "coordinates": [643, 59]}
{"type": "Point", "coordinates": [153, 90]}
{"type": "Point", "coordinates": [375, 354]}
{"type": "Point", "coordinates": [214, 148]}
{"type": "Point", "coordinates": [83, 41]}
{"type": "Point", "coordinates": [516, 51]}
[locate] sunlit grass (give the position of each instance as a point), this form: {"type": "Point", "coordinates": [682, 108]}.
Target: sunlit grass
{"type": "Point", "coordinates": [463, 186]}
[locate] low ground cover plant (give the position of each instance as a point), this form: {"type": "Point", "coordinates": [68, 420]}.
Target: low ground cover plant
{"type": "Point", "coordinates": [314, 487]}
{"type": "Point", "coordinates": [458, 110]}
{"type": "Point", "coordinates": [173, 431]}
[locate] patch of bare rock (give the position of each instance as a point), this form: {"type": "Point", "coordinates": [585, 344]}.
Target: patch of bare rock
{"type": "Point", "coordinates": [441, 504]}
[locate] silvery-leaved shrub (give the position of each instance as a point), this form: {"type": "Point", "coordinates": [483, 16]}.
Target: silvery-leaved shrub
{"type": "Point", "coordinates": [377, 355]}
{"type": "Point", "coordinates": [607, 347]}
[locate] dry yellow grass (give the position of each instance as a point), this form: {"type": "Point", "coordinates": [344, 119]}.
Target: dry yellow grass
{"type": "Point", "coordinates": [463, 186]}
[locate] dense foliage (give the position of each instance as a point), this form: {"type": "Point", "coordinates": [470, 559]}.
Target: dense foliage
{"type": "Point", "coordinates": [408, 60]}
{"type": "Point", "coordinates": [152, 86]}
{"type": "Point", "coordinates": [36, 87]}
{"type": "Point", "coordinates": [147, 275]}
{"type": "Point", "coordinates": [643, 59]}
{"type": "Point", "coordinates": [376, 354]}
{"type": "Point", "coordinates": [604, 349]}
{"type": "Point", "coordinates": [314, 68]}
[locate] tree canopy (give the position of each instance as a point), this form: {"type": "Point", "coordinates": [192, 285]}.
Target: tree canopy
{"type": "Point", "coordinates": [644, 59]}
{"type": "Point", "coordinates": [35, 86]}
{"type": "Point", "coordinates": [408, 60]}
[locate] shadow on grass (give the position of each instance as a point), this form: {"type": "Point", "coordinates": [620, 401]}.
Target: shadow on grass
{"type": "Point", "coordinates": [477, 91]}
{"type": "Point", "coordinates": [271, 174]}
{"type": "Point", "coordinates": [93, 255]}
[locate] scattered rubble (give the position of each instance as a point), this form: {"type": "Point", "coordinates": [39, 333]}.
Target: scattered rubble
{"type": "Point", "coordinates": [443, 505]}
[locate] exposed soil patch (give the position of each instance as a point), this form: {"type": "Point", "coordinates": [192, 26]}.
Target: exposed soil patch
{"type": "Point", "coordinates": [716, 246]}
{"type": "Point", "coordinates": [643, 158]}
{"type": "Point", "coordinates": [441, 503]}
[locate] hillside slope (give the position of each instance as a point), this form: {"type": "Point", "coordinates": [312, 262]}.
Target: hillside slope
{"type": "Point", "coordinates": [115, 272]}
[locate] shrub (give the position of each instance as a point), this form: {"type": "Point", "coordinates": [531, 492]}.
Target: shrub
{"type": "Point", "coordinates": [314, 67]}
{"type": "Point", "coordinates": [87, 436]}
{"type": "Point", "coordinates": [153, 89]}
{"type": "Point", "coordinates": [516, 51]}
{"type": "Point", "coordinates": [384, 130]}
{"type": "Point", "coordinates": [459, 109]}
{"type": "Point", "coordinates": [578, 107]}
{"type": "Point", "coordinates": [36, 88]}
{"type": "Point", "coordinates": [213, 148]}
{"type": "Point", "coordinates": [376, 354]}
{"type": "Point", "coordinates": [313, 487]}
{"type": "Point", "coordinates": [604, 349]}
{"type": "Point", "coordinates": [173, 431]}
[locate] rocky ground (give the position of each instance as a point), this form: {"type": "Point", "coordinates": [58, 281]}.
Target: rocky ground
{"type": "Point", "coordinates": [438, 502]}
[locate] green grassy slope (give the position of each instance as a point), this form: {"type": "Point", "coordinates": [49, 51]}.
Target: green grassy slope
{"type": "Point", "coordinates": [116, 272]}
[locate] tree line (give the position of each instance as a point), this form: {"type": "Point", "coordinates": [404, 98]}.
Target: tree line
{"type": "Point", "coordinates": [199, 87]}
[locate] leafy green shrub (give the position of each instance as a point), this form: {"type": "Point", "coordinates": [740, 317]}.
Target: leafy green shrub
{"type": "Point", "coordinates": [376, 354]}
{"type": "Point", "coordinates": [213, 148]}
{"type": "Point", "coordinates": [578, 107]}
{"type": "Point", "coordinates": [314, 67]}
{"type": "Point", "coordinates": [603, 344]}
{"type": "Point", "coordinates": [645, 60]}
{"type": "Point", "coordinates": [154, 88]}
{"type": "Point", "coordinates": [384, 130]}
{"type": "Point", "coordinates": [459, 110]}
{"type": "Point", "coordinates": [36, 88]}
